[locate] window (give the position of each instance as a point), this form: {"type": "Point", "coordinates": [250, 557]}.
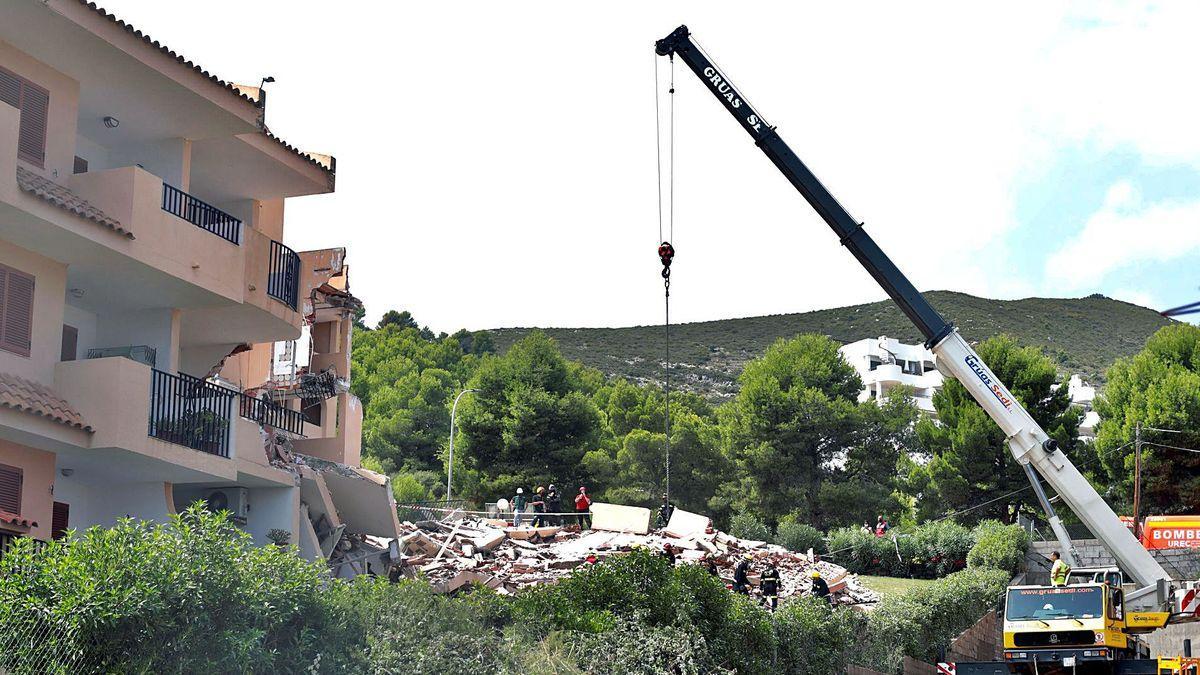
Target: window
{"type": "Point", "coordinates": [81, 165]}
{"type": "Point", "coordinates": [16, 311]}
{"type": "Point", "coordinates": [70, 343]}
{"type": "Point", "coordinates": [34, 104]}
{"type": "Point", "coordinates": [61, 520]}
{"type": "Point", "coordinates": [10, 489]}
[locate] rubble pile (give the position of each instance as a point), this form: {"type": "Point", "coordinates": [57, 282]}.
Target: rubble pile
{"type": "Point", "coordinates": [460, 549]}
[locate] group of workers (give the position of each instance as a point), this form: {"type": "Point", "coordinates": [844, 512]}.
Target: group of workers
{"type": "Point", "coordinates": [768, 580]}
{"type": "Point", "coordinates": [547, 508]}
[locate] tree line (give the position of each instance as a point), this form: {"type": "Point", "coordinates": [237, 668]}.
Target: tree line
{"type": "Point", "coordinates": [793, 445]}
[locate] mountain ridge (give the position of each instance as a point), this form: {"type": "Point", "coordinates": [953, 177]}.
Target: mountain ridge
{"type": "Point", "coordinates": [1082, 335]}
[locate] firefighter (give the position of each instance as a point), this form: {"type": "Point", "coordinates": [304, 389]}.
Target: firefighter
{"type": "Point", "coordinates": [769, 582]}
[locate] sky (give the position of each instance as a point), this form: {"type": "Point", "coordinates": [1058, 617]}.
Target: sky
{"type": "Point", "coordinates": [497, 160]}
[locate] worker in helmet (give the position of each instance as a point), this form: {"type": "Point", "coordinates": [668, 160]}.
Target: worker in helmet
{"type": "Point", "coordinates": [820, 589]}
{"type": "Point", "coordinates": [1060, 571]}
{"type": "Point", "coordinates": [664, 511]}
{"type": "Point", "coordinates": [518, 504]}
{"type": "Point", "coordinates": [769, 583]}
{"type": "Point", "coordinates": [539, 507]}
{"type": "Point", "coordinates": [668, 552]}
{"type": "Point", "coordinates": [741, 575]}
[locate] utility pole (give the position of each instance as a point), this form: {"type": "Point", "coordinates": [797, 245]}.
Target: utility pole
{"type": "Point", "coordinates": [1137, 481]}
{"type": "Point", "coordinates": [450, 464]}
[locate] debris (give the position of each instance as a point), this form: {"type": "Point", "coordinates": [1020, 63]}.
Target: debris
{"type": "Point", "coordinates": [464, 549]}
{"type": "Point", "coordinates": [685, 523]}
{"type": "Point", "coordinates": [617, 518]}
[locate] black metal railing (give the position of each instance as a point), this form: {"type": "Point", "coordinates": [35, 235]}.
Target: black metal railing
{"type": "Point", "coordinates": [140, 353]}
{"type": "Point", "coordinates": [188, 411]}
{"type": "Point", "coordinates": [283, 274]}
{"type": "Point", "coordinates": [270, 413]}
{"type": "Point", "coordinates": [201, 214]}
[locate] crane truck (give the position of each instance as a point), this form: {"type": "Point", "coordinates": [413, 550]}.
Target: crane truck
{"type": "Point", "coordinates": [1089, 625]}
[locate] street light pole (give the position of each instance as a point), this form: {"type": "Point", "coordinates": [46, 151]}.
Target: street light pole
{"type": "Point", "coordinates": [450, 464]}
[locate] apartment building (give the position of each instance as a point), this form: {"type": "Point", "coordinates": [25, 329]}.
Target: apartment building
{"type": "Point", "coordinates": [144, 281]}
{"type": "Point", "coordinates": [885, 363]}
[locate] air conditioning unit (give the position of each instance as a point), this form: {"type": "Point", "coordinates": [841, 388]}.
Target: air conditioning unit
{"type": "Point", "coordinates": [235, 500]}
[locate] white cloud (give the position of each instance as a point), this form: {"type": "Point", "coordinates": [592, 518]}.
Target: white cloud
{"type": "Point", "coordinates": [1137, 297]}
{"type": "Point", "coordinates": [1124, 233]}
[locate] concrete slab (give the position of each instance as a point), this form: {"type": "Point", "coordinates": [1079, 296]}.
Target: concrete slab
{"type": "Point", "coordinates": [685, 524]}
{"type": "Point", "coordinates": [489, 540]}
{"type": "Point", "coordinates": [617, 518]}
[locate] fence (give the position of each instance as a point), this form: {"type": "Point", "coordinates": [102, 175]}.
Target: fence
{"type": "Point", "coordinates": [283, 274]}
{"type": "Point", "coordinates": [140, 353]}
{"type": "Point", "coordinates": [431, 510]}
{"type": "Point", "coordinates": [270, 413]}
{"type": "Point", "coordinates": [188, 411]}
{"type": "Point", "coordinates": [201, 214]}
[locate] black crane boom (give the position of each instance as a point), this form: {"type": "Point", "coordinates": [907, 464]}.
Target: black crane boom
{"type": "Point", "coordinates": [850, 232]}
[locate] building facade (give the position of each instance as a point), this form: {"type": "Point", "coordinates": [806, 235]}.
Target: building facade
{"type": "Point", "coordinates": [144, 281]}
{"type": "Point", "coordinates": [885, 363]}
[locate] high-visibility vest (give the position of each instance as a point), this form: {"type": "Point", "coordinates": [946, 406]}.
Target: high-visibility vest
{"type": "Point", "coordinates": [1059, 573]}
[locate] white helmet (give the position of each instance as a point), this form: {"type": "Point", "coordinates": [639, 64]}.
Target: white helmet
{"type": "Point", "coordinates": [520, 491]}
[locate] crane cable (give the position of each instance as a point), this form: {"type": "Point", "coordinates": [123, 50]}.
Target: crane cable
{"type": "Point", "coordinates": [666, 252]}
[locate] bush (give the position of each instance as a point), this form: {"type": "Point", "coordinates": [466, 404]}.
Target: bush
{"type": "Point", "coordinates": [930, 551]}
{"type": "Point", "coordinates": [192, 595]}
{"type": "Point", "coordinates": [814, 638]}
{"type": "Point", "coordinates": [917, 624]}
{"type": "Point", "coordinates": [796, 536]}
{"type": "Point", "coordinates": [747, 526]}
{"type": "Point", "coordinates": [998, 546]}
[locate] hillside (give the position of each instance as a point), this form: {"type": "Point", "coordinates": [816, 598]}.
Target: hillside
{"type": "Point", "coordinates": [1084, 335]}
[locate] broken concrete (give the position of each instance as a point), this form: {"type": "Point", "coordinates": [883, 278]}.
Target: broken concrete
{"type": "Point", "coordinates": [685, 524]}
{"type": "Point", "coordinates": [474, 550]}
{"type": "Point", "coordinates": [618, 518]}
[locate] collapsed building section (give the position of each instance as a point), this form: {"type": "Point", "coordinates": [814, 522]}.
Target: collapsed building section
{"type": "Point", "coordinates": [457, 549]}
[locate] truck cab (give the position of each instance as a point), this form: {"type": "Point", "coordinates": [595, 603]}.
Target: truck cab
{"type": "Point", "coordinates": [1080, 625]}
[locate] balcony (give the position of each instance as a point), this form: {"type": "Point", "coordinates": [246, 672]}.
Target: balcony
{"type": "Point", "coordinates": [269, 413]}
{"type": "Point", "coordinates": [139, 353]}
{"type": "Point", "coordinates": [188, 411]}
{"type": "Point", "coordinates": [283, 274]}
{"type": "Point", "coordinates": [201, 214]}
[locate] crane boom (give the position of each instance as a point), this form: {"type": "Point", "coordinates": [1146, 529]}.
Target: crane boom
{"type": "Point", "coordinates": [1027, 441]}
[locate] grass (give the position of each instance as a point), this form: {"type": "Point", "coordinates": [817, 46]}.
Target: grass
{"type": "Point", "coordinates": [893, 586]}
{"type": "Point", "coordinates": [1081, 335]}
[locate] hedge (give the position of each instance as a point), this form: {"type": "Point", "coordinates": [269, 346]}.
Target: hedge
{"type": "Point", "coordinates": [929, 551]}
{"type": "Point", "coordinates": [998, 546]}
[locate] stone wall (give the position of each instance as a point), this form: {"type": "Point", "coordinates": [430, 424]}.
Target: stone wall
{"type": "Point", "coordinates": [1179, 563]}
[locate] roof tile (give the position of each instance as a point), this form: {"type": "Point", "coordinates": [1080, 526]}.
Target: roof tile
{"type": "Point", "coordinates": [60, 196]}
{"type": "Point", "coordinates": [21, 394]}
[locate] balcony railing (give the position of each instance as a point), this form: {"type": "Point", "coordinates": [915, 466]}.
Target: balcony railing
{"type": "Point", "coordinates": [188, 411]}
{"type": "Point", "coordinates": [283, 274]}
{"type": "Point", "coordinates": [201, 214]}
{"type": "Point", "coordinates": [140, 353]}
{"type": "Point", "coordinates": [270, 413]}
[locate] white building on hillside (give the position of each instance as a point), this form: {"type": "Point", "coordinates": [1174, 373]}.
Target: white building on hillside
{"type": "Point", "coordinates": [1084, 396]}
{"type": "Point", "coordinates": [884, 363]}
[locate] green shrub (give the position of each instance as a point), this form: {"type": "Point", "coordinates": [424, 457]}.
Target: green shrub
{"type": "Point", "coordinates": [192, 595]}
{"type": "Point", "coordinates": [796, 536]}
{"type": "Point", "coordinates": [998, 546]}
{"type": "Point", "coordinates": [917, 624]}
{"type": "Point", "coordinates": [747, 526]}
{"type": "Point", "coordinates": [635, 648]}
{"type": "Point", "coordinates": [814, 638]}
{"type": "Point", "coordinates": [938, 548]}
{"type": "Point", "coordinates": [929, 551]}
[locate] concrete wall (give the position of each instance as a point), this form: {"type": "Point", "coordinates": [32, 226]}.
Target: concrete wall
{"type": "Point", "coordinates": [63, 114]}
{"type": "Point", "coordinates": [37, 484]}
{"type": "Point", "coordinates": [1181, 564]}
{"type": "Point", "coordinates": [158, 328]}
{"type": "Point", "coordinates": [102, 503]}
{"type": "Point", "coordinates": [342, 434]}
{"type": "Point", "coordinates": [273, 508]}
{"type": "Point", "coordinates": [49, 289]}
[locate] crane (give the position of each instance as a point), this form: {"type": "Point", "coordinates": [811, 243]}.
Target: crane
{"type": "Point", "coordinates": [1156, 597]}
